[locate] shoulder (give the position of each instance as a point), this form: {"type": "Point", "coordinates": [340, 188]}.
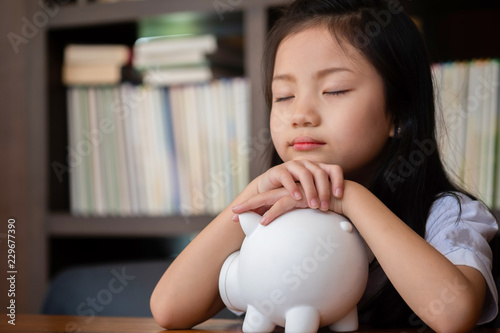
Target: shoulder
{"type": "Point", "coordinates": [455, 211]}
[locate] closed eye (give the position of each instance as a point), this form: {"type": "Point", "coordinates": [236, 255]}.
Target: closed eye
{"type": "Point", "coordinates": [336, 93]}
{"type": "Point", "coordinates": [283, 99]}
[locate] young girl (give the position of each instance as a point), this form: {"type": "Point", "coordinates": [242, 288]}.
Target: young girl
{"type": "Point", "coordinates": [352, 120]}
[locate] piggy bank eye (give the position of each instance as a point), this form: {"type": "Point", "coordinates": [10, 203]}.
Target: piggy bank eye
{"type": "Point", "coordinates": [346, 226]}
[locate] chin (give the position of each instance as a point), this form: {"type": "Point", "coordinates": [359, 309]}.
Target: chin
{"type": "Point", "coordinates": [311, 158]}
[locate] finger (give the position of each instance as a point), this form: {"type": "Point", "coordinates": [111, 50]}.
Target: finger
{"type": "Point", "coordinates": [336, 175]}
{"type": "Point", "coordinates": [304, 176]}
{"type": "Point", "coordinates": [266, 199]}
{"type": "Point", "coordinates": [277, 177]}
{"type": "Point", "coordinates": [322, 184]}
{"type": "Point", "coordinates": [287, 174]}
{"type": "Point", "coordinates": [280, 207]}
{"type": "Point", "coordinates": [260, 211]}
{"type": "Point", "coordinates": [286, 180]}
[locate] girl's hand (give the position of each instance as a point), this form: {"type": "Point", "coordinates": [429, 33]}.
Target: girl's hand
{"type": "Point", "coordinates": [277, 202]}
{"type": "Point", "coordinates": [319, 181]}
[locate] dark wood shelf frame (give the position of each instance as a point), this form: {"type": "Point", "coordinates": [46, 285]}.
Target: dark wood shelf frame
{"type": "Point", "coordinates": [66, 225]}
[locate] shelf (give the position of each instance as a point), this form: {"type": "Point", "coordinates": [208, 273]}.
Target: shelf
{"type": "Point", "coordinates": [99, 13]}
{"type": "Point", "coordinates": [66, 225]}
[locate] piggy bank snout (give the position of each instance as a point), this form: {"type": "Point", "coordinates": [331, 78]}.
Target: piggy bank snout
{"type": "Point", "coordinates": [249, 221]}
{"type": "Point", "coordinates": [346, 226]}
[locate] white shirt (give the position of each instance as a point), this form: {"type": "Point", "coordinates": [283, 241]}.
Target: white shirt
{"type": "Point", "coordinates": [463, 239]}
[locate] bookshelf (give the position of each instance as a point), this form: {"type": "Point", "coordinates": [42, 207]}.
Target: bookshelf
{"type": "Point", "coordinates": [121, 28]}
{"type": "Point", "coordinates": [48, 217]}
{"type": "Point", "coordinates": [50, 222]}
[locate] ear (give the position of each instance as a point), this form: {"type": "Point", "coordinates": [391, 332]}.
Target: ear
{"type": "Point", "coordinates": [249, 221]}
{"type": "Point", "coordinates": [392, 130]}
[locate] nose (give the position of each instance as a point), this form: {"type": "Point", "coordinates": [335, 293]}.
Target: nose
{"type": "Point", "coordinates": [306, 114]}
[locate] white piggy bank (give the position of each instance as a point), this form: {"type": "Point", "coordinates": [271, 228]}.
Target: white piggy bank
{"type": "Point", "coordinates": [305, 270]}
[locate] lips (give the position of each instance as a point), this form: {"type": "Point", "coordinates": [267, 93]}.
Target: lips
{"type": "Point", "coordinates": [306, 143]}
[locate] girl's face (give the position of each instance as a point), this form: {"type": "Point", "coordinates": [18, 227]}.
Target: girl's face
{"type": "Point", "coordinates": [328, 104]}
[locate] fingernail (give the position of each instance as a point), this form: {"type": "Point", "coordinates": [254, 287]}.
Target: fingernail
{"type": "Point", "coordinates": [235, 218]}
{"type": "Point", "coordinates": [324, 205]}
{"type": "Point", "coordinates": [338, 192]}
{"type": "Point", "coordinates": [297, 195]}
{"type": "Point", "coordinates": [314, 203]}
{"type": "Point", "coordinates": [263, 220]}
{"type": "Point", "coordinates": [235, 208]}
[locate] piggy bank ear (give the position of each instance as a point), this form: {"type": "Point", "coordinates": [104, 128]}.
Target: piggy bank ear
{"type": "Point", "coordinates": [249, 221]}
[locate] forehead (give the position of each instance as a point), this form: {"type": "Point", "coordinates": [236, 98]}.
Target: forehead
{"type": "Point", "coordinates": [316, 47]}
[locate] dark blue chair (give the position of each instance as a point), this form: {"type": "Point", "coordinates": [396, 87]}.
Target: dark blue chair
{"type": "Point", "coordinates": [120, 289]}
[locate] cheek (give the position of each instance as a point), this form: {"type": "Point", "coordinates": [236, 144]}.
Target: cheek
{"type": "Point", "coordinates": [276, 127]}
{"type": "Point", "coordinates": [372, 120]}
{"type": "Point", "coordinates": [372, 135]}
{"type": "Point", "coordinates": [363, 134]}
{"type": "Point", "coordinates": [278, 120]}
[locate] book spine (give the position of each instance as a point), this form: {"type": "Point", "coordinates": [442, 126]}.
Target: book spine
{"type": "Point", "coordinates": [127, 107]}
{"type": "Point", "coordinates": [123, 185]}
{"type": "Point", "coordinates": [97, 172]}
{"type": "Point", "coordinates": [75, 163]}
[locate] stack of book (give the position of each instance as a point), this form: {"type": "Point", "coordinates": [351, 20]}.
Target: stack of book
{"type": "Point", "coordinates": [94, 64]}
{"type": "Point", "coordinates": [174, 60]}
{"type": "Point", "coordinates": [155, 151]}
{"type": "Point", "coordinates": [468, 100]}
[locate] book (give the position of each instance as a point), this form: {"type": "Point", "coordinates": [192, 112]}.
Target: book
{"type": "Point", "coordinates": [494, 88]}
{"type": "Point", "coordinates": [177, 76]}
{"type": "Point", "coordinates": [167, 45]}
{"type": "Point", "coordinates": [243, 139]}
{"type": "Point", "coordinates": [180, 135]}
{"type": "Point", "coordinates": [164, 155]}
{"type": "Point", "coordinates": [126, 104]}
{"type": "Point", "coordinates": [211, 188]}
{"type": "Point", "coordinates": [161, 60]}
{"type": "Point", "coordinates": [94, 64]}
{"type": "Point", "coordinates": [192, 128]}
{"type": "Point", "coordinates": [473, 131]}
{"type": "Point", "coordinates": [156, 151]}
{"type": "Point", "coordinates": [102, 145]}
{"type": "Point", "coordinates": [469, 94]}
{"type": "Point", "coordinates": [88, 205]}
{"type": "Point", "coordinates": [96, 176]}
{"type": "Point", "coordinates": [85, 54]}
{"type": "Point", "coordinates": [75, 158]}
{"type": "Point", "coordinates": [123, 185]}
{"type": "Point", "coordinates": [95, 74]}
{"type": "Point", "coordinates": [488, 140]}
{"type": "Point", "coordinates": [173, 185]}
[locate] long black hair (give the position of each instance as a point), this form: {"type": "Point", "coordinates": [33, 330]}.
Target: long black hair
{"type": "Point", "coordinates": [411, 175]}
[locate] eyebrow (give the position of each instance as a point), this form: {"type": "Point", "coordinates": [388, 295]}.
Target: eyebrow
{"type": "Point", "coordinates": [320, 74]}
{"type": "Point", "coordinates": [327, 71]}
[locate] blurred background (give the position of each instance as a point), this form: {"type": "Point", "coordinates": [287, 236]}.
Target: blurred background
{"type": "Point", "coordinates": [127, 125]}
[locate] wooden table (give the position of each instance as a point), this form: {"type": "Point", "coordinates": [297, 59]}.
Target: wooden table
{"type": "Point", "coordinates": [59, 324]}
